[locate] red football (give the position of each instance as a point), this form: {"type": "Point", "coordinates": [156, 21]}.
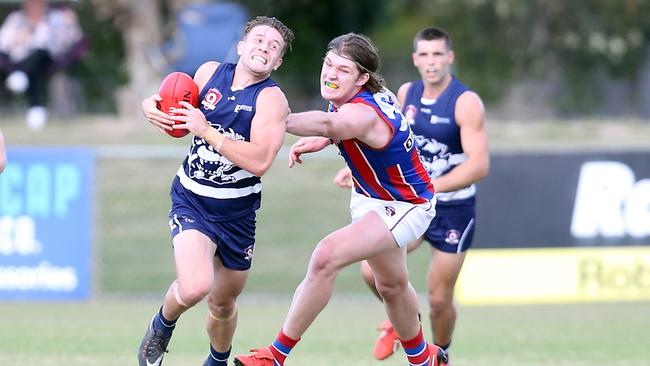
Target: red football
{"type": "Point", "coordinates": [177, 87]}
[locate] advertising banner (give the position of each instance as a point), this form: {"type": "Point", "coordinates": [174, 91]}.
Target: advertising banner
{"type": "Point", "coordinates": [45, 224]}
{"type": "Point", "coordinates": [565, 199]}
{"type": "Point", "coordinates": [563, 226]}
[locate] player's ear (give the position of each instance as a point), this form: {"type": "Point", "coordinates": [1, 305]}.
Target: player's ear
{"type": "Point", "coordinates": [240, 48]}
{"type": "Point", "coordinates": [277, 64]}
{"type": "Point", "coordinates": [363, 79]}
{"type": "Point", "coordinates": [452, 57]}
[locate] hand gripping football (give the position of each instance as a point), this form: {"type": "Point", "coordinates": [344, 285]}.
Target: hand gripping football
{"type": "Point", "coordinates": [177, 87]}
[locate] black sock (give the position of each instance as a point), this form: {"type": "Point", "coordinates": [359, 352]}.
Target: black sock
{"type": "Point", "coordinates": [165, 325]}
{"type": "Point", "coordinates": [218, 358]}
{"type": "Point", "coordinates": [444, 347]}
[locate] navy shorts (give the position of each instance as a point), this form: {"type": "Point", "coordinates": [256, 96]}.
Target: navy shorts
{"type": "Point", "coordinates": [235, 239]}
{"type": "Point", "coordinates": [452, 230]}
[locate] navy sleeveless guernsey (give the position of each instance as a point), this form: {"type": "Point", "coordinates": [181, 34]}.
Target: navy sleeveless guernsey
{"type": "Point", "coordinates": [208, 181]}
{"type": "Point", "coordinates": [437, 136]}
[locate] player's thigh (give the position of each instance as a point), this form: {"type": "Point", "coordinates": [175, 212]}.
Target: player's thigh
{"type": "Point", "coordinates": [414, 244]}
{"type": "Point", "coordinates": [364, 238]}
{"type": "Point", "coordinates": [193, 255]}
{"type": "Point", "coordinates": [389, 267]}
{"type": "Point", "coordinates": [444, 271]}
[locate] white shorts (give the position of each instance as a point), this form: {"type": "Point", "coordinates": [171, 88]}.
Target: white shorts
{"type": "Point", "coordinates": [406, 221]}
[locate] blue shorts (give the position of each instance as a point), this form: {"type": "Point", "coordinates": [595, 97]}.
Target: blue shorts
{"type": "Point", "coordinates": [452, 230]}
{"type": "Point", "coordinates": [235, 240]}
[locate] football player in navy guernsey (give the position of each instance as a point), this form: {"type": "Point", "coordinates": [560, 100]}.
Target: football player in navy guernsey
{"type": "Point", "coordinates": [237, 129]}
{"type": "Point", "coordinates": [392, 204]}
{"type": "Point", "coordinates": [447, 120]}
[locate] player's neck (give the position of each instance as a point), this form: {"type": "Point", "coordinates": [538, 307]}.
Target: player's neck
{"type": "Point", "coordinates": [338, 102]}
{"type": "Point", "coordinates": [242, 78]}
{"type": "Point", "coordinates": [433, 90]}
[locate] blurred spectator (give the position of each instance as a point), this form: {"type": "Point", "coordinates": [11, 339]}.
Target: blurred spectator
{"type": "Point", "coordinates": [34, 41]}
{"type": "Point", "coordinates": [3, 153]}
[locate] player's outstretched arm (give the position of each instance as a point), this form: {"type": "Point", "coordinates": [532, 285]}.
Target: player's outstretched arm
{"type": "Point", "coordinates": [350, 121]}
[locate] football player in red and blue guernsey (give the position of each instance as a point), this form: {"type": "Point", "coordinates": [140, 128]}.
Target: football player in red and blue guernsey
{"type": "Point", "coordinates": [237, 130]}
{"type": "Point", "coordinates": [448, 121]}
{"type": "Point", "coordinates": [392, 204]}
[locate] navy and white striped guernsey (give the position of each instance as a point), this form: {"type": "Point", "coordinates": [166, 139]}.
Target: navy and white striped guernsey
{"type": "Point", "coordinates": [437, 136]}
{"type": "Point", "coordinates": [208, 181]}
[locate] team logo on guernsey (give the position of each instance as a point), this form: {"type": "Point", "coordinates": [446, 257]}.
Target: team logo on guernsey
{"type": "Point", "coordinates": [453, 237]}
{"type": "Point", "coordinates": [211, 98]}
{"type": "Point", "coordinates": [390, 210]}
{"type": "Point", "coordinates": [248, 253]}
{"type": "Point", "coordinates": [410, 113]}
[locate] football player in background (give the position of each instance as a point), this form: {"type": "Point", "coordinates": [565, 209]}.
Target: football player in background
{"type": "Point", "coordinates": [237, 130]}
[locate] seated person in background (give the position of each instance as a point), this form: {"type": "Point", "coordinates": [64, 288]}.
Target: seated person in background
{"type": "Point", "coordinates": [32, 40]}
{"type": "Point", "coordinates": [3, 153]}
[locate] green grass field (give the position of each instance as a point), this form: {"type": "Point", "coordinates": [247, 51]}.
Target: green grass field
{"type": "Point", "coordinates": [107, 333]}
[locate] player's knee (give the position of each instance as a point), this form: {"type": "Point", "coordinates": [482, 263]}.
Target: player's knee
{"type": "Point", "coordinates": [192, 293]}
{"type": "Point", "coordinates": [391, 288]}
{"type": "Point", "coordinates": [220, 309]}
{"type": "Point", "coordinates": [323, 261]}
{"type": "Point", "coordinates": [438, 302]}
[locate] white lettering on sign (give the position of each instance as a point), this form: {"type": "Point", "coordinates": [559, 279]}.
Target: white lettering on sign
{"type": "Point", "coordinates": [18, 236]}
{"type": "Point", "coordinates": [609, 202]}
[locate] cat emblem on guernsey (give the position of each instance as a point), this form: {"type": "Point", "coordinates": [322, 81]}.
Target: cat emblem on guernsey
{"type": "Point", "coordinates": [211, 98]}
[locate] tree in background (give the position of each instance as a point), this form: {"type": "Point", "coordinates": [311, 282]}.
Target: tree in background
{"type": "Point", "coordinates": [315, 23]}
{"type": "Point", "coordinates": [576, 52]}
{"type": "Point", "coordinates": [571, 46]}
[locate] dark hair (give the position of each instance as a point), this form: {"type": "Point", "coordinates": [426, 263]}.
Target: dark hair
{"type": "Point", "coordinates": [359, 49]}
{"type": "Point", "coordinates": [430, 34]}
{"type": "Point", "coordinates": [285, 32]}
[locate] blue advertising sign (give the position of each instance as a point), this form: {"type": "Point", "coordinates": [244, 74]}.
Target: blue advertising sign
{"type": "Point", "coordinates": [45, 224]}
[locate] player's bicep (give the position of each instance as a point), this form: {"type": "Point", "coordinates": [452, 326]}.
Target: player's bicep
{"type": "Point", "coordinates": [269, 123]}
{"type": "Point", "coordinates": [351, 121]}
{"type": "Point", "coordinates": [470, 117]}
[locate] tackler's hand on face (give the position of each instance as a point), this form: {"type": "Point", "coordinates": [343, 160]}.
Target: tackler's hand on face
{"type": "Point", "coordinates": [159, 119]}
{"type": "Point", "coordinates": [192, 119]}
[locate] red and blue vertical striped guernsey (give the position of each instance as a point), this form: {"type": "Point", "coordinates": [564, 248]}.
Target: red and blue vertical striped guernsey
{"type": "Point", "coordinates": [393, 172]}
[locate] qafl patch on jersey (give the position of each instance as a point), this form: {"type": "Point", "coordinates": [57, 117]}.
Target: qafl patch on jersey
{"type": "Point", "coordinates": [211, 98]}
{"type": "Point", "coordinates": [452, 237]}
{"type": "Point", "coordinates": [390, 210]}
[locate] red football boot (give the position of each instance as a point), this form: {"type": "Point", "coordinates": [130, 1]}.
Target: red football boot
{"type": "Point", "coordinates": [387, 342]}
{"type": "Point", "coordinates": [258, 357]}
{"type": "Point", "coordinates": [438, 356]}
